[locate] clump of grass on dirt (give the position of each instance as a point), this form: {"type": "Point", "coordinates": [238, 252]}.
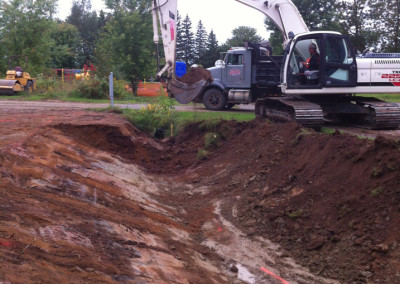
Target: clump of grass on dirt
{"type": "Point", "coordinates": [295, 214]}
{"type": "Point", "coordinates": [377, 191]}
{"type": "Point", "coordinates": [211, 140]}
{"type": "Point", "coordinates": [300, 136]}
{"type": "Point", "coordinates": [202, 154]}
{"type": "Point", "coordinates": [376, 172]}
{"type": "Point", "coordinates": [344, 210]}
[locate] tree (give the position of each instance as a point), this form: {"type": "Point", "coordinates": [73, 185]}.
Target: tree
{"type": "Point", "coordinates": [66, 43]}
{"type": "Point", "coordinates": [89, 26]}
{"type": "Point", "coordinates": [212, 51]}
{"type": "Point", "coordinates": [200, 42]}
{"type": "Point", "coordinates": [319, 15]}
{"type": "Point", "coordinates": [126, 44]}
{"type": "Point", "coordinates": [187, 42]}
{"type": "Point", "coordinates": [241, 35]}
{"type": "Point", "coordinates": [180, 43]}
{"type": "Point", "coordinates": [25, 30]}
{"type": "Point", "coordinates": [386, 16]}
{"type": "Point", "coordinates": [354, 15]}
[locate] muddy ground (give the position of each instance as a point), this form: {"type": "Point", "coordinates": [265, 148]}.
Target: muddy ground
{"type": "Point", "coordinates": [86, 197]}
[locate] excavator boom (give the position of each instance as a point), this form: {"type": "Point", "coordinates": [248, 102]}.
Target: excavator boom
{"type": "Point", "coordinates": [283, 13]}
{"type": "Point", "coordinates": [166, 12]}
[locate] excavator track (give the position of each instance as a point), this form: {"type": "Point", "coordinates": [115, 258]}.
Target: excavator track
{"type": "Point", "coordinates": [290, 109]}
{"type": "Point", "coordinates": [381, 114]}
{"type": "Point", "coordinates": [369, 113]}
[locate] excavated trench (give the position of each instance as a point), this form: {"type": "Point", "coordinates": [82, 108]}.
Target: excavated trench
{"type": "Point", "coordinates": [86, 197]}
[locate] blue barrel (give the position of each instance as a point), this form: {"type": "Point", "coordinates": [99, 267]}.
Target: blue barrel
{"type": "Point", "coordinates": [180, 68]}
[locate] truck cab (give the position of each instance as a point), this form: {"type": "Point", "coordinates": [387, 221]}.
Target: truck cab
{"type": "Point", "coordinates": [235, 69]}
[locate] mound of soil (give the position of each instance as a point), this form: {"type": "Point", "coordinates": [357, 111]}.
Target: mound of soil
{"type": "Point", "coordinates": [196, 74]}
{"type": "Point", "coordinates": [332, 201]}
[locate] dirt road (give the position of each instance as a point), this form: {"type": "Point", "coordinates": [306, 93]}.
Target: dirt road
{"type": "Point", "coordinates": [86, 197]}
{"type": "Point", "coordinates": [75, 105]}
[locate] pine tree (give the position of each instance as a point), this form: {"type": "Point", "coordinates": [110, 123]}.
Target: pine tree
{"type": "Point", "coordinates": [200, 43]}
{"type": "Point", "coordinates": [212, 51]}
{"type": "Point", "coordinates": [180, 44]}
{"type": "Point", "coordinates": [187, 42]}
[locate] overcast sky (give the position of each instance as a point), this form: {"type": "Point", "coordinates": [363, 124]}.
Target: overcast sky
{"type": "Point", "coordinates": [221, 16]}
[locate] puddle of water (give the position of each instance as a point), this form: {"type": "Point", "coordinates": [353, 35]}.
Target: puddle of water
{"type": "Point", "coordinates": [245, 275]}
{"type": "Point", "coordinates": [251, 253]}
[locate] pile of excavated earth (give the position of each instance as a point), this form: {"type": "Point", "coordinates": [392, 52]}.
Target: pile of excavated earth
{"type": "Point", "coordinates": [87, 197]}
{"type": "Point", "coordinates": [195, 75]}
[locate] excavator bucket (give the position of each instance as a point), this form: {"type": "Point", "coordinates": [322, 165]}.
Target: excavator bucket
{"type": "Point", "coordinates": [186, 93]}
{"type": "Point", "coordinates": [9, 87]}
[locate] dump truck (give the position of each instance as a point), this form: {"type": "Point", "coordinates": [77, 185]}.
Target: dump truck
{"type": "Point", "coordinates": [17, 79]}
{"type": "Point", "coordinates": [332, 92]}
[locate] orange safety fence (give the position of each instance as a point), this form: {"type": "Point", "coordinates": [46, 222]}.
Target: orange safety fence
{"type": "Point", "coordinates": [151, 89]}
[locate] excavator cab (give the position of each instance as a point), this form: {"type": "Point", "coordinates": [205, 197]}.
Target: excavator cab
{"type": "Point", "coordinates": [336, 62]}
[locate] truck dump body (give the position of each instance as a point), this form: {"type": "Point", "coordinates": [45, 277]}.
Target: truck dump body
{"type": "Point", "coordinates": [266, 72]}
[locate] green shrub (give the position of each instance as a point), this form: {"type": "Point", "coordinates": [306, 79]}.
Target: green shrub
{"type": "Point", "coordinates": [48, 84]}
{"type": "Point", "coordinates": [119, 90]}
{"type": "Point", "coordinates": [159, 114]}
{"type": "Point", "coordinates": [92, 88]}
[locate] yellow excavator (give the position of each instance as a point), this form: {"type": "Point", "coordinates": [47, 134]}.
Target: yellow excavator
{"type": "Point", "coordinates": [17, 80]}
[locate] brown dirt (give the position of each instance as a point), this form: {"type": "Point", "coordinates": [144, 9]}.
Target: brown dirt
{"type": "Point", "coordinates": [196, 74]}
{"type": "Point", "coordinates": [86, 197]}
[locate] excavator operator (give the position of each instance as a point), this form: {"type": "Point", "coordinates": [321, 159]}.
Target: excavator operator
{"type": "Point", "coordinates": [313, 61]}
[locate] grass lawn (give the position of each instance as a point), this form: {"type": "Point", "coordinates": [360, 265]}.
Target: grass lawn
{"type": "Point", "coordinates": [220, 115]}
{"type": "Point", "coordinates": [393, 98]}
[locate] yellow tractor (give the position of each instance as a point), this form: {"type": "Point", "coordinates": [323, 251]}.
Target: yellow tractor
{"type": "Point", "coordinates": [17, 80]}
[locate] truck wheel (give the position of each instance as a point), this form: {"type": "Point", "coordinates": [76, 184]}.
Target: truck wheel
{"type": "Point", "coordinates": [214, 99]}
{"type": "Point", "coordinates": [29, 87]}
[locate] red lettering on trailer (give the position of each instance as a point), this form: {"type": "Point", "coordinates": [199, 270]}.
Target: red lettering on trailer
{"type": "Point", "coordinates": [393, 78]}
{"type": "Point", "coordinates": [390, 76]}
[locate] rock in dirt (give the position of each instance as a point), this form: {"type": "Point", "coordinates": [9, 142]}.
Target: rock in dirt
{"type": "Point", "coordinates": [234, 269]}
{"type": "Point", "coordinates": [315, 243]}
